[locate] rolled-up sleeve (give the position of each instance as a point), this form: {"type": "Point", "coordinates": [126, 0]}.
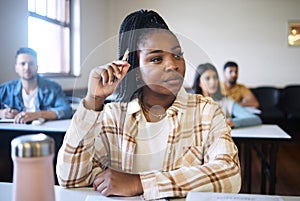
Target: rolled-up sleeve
{"type": "Point", "coordinates": [62, 107]}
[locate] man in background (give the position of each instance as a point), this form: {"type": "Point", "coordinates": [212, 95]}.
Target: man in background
{"type": "Point", "coordinates": [32, 97]}
{"type": "Point", "coordinates": [239, 92]}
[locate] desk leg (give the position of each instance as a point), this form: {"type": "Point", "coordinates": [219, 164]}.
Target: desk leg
{"type": "Point", "coordinates": [268, 156]}
{"type": "Point", "coordinates": [248, 164]}
{"type": "Point", "coordinates": [264, 170]}
{"type": "Point", "coordinates": [273, 156]}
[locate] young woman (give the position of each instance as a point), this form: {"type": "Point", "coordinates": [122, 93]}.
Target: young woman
{"type": "Point", "coordinates": [155, 140]}
{"type": "Point", "coordinates": [207, 83]}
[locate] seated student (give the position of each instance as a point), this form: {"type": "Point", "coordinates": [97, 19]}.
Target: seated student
{"type": "Point", "coordinates": [206, 82]}
{"type": "Point", "coordinates": [155, 140]}
{"type": "Point", "coordinates": [32, 97]}
{"type": "Point", "coordinates": [238, 92]}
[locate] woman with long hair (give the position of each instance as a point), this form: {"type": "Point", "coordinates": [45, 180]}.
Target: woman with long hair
{"type": "Point", "coordinates": [155, 139]}
{"type": "Point", "coordinates": [207, 83]}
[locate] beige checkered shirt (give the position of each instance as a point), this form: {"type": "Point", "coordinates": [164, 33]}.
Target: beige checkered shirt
{"type": "Point", "coordinates": [200, 153]}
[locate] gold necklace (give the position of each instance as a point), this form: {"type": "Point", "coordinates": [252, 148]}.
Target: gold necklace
{"type": "Point", "coordinates": [148, 111]}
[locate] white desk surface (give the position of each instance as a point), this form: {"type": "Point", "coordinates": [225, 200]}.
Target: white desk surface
{"type": "Point", "coordinates": [265, 131]}
{"type": "Point", "coordinates": [75, 194]}
{"type": "Point", "coordinates": [50, 126]}
{"type": "Point", "coordinates": [261, 131]}
{"type": "Point", "coordinates": [206, 196]}
{"type": "Point", "coordinates": [88, 194]}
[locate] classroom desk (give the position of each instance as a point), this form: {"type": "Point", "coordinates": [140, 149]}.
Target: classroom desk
{"type": "Point", "coordinates": [48, 126]}
{"type": "Point", "coordinates": [207, 196]}
{"type": "Point", "coordinates": [264, 139]}
{"type": "Point", "coordinates": [8, 131]}
{"type": "Point", "coordinates": [75, 194]}
{"type": "Point", "coordinates": [88, 194]}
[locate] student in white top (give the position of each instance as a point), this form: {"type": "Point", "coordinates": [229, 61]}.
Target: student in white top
{"type": "Point", "coordinates": [207, 83]}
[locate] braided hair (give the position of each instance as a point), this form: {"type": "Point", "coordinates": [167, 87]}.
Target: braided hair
{"type": "Point", "coordinates": [134, 28]}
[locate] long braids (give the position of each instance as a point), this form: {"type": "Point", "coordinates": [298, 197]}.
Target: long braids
{"type": "Point", "coordinates": [133, 28]}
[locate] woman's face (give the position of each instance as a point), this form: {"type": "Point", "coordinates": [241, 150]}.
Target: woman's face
{"type": "Point", "coordinates": [162, 66]}
{"type": "Point", "coordinates": [209, 82]}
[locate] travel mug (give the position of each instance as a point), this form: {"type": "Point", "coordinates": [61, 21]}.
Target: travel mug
{"type": "Point", "coordinates": [33, 178]}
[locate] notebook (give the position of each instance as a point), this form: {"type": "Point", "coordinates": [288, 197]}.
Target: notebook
{"type": "Point", "coordinates": [205, 196]}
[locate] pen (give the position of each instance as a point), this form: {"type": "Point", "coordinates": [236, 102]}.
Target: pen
{"type": "Point", "coordinates": [125, 57]}
{"type": "Point", "coordinates": [8, 107]}
{"type": "Point", "coordinates": [126, 54]}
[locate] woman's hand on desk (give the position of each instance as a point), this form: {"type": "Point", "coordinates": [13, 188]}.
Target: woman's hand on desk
{"type": "Point", "coordinates": [230, 122]}
{"type": "Point", "coordinates": [111, 182]}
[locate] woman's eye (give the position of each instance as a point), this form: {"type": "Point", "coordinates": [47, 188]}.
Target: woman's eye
{"type": "Point", "coordinates": [156, 59]}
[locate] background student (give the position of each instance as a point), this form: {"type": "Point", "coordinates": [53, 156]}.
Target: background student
{"type": "Point", "coordinates": [238, 92]}
{"type": "Point", "coordinates": [207, 83]}
{"type": "Point", "coordinates": [32, 97]}
{"type": "Point", "coordinates": [156, 139]}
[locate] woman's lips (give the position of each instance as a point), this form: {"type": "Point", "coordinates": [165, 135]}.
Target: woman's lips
{"type": "Point", "coordinates": [174, 80]}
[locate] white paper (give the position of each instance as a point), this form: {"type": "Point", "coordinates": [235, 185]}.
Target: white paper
{"type": "Point", "coordinates": [7, 120]}
{"type": "Point", "coordinates": [101, 197]}
{"type": "Point", "coordinates": [253, 110]}
{"type": "Point", "coordinates": [200, 196]}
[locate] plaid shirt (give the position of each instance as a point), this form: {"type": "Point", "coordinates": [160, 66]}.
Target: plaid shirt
{"type": "Point", "coordinates": [200, 153]}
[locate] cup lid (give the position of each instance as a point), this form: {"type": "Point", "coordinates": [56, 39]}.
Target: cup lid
{"type": "Point", "coordinates": [33, 145]}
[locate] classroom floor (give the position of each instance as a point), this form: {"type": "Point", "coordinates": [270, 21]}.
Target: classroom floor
{"type": "Point", "coordinates": [287, 171]}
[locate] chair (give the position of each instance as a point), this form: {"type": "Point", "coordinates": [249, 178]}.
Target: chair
{"type": "Point", "coordinates": [74, 102]}
{"type": "Point", "coordinates": [291, 102]}
{"type": "Point", "coordinates": [269, 103]}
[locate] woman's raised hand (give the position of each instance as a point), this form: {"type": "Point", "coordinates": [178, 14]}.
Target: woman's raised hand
{"type": "Point", "coordinates": [103, 81]}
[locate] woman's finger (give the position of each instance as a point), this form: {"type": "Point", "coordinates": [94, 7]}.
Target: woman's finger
{"type": "Point", "coordinates": [104, 78]}
{"type": "Point", "coordinates": [117, 70]}
{"type": "Point", "coordinates": [101, 188]}
{"type": "Point", "coordinates": [111, 74]}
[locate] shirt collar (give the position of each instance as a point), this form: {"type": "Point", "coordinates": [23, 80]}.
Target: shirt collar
{"type": "Point", "coordinates": [179, 104]}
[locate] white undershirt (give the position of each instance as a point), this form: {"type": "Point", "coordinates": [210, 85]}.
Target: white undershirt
{"type": "Point", "coordinates": [151, 143]}
{"type": "Point", "coordinates": [29, 100]}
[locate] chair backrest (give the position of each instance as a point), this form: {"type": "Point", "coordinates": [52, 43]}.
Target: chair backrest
{"type": "Point", "coordinates": [292, 97]}
{"type": "Point", "coordinates": [74, 102]}
{"type": "Point", "coordinates": [267, 96]}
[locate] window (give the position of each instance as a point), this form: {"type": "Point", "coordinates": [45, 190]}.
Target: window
{"type": "Point", "coordinates": [49, 33]}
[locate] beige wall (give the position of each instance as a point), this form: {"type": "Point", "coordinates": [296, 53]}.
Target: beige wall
{"type": "Point", "coordinates": [252, 33]}
{"type": "Point", "coordinates": [13, 33]}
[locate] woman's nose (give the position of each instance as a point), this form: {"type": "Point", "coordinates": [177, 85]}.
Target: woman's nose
{"type": "Point", "coordinates": [171, 63]}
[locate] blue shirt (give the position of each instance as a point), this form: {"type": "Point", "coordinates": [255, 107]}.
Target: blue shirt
{"type": "Point", "coordinates": [50, 96]}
